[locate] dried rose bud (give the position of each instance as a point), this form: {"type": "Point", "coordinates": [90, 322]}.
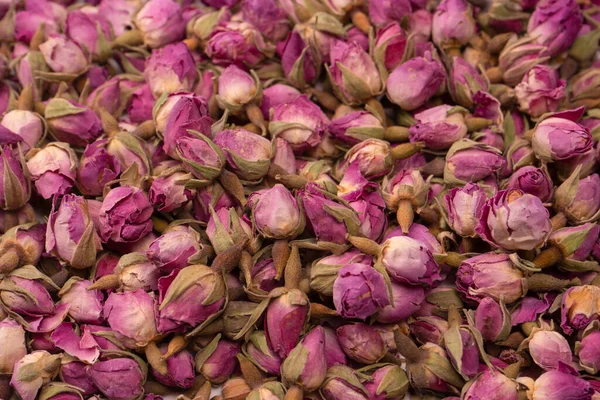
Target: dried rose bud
{"type": "Point", "coordinates": [518, 57]}
{"type": "Point", "coordinates": [88, 28]}
{"type": "Point", "coordinates": [383, 12]}
{"type": "Point", "coordinates": [446, 32]}
{"type": "Point", "coordinates": [193, 108]}
{"type": "Point", "coordinates": [134, 271]}
{"type": "Point", "coordinates": [390, 46]}
{"type": "Point", "coordinates": [353, 73]}
{"type": "Point", "coordinates": [75, 373]}
{"type": "Point", "coordinates": [361, 343]}
{"type": "Point", "coordinates": [263, 275]}
{"type": "Point", "coordinates": [180, 369]}
{"type": "Point", "coordinates": [299, 63]}
{"type": "Point", "coordinates": [439, 127]}
{"type": "Point", "coordinates": [300, 122]}
{"type": "Point", "coordinates": [409, 261]}
{"type": "Point", "coordinates": [126, 371]}
{"type": "Point", "coordinates": [514, 220]}
{"type": "Point", "coordinates": [555, 385]}
{"type": "Point", "coordinates": [22, 245]}
{"type": "Point", "coordinates": [342, 383]}
{"type": "Point", "coordinates": [428, 329]}
{"type": "Point", "coordinates": [161, 22]}
{"type": "Point", "coordinates": [490, 384]}
{"type": "Point", "coordinates": [464, 205]}
{"type": "Point", "coordinates": [258, 351]}
{"type": "Point", "coordinates": [306, 366]}
{"type": "Point", "coordinates": [125, 215]}
{"type": "Point", "coordinates": [96, 169]}
{"type": "Point", "coordinates": [389, 382]}
{"type": "Point", "coordinates": [12, 345]}
{"type": "Point", "coordinates": [268, 17]}
{"type": "Point", "coordinates": [354, 293]}
{"type": "Point", "coordinates": [373, 156]}
{"type": "Point", "coordinates": [225, 228]}
{"type": "Point", "coordinates": [140, 104]}
{"type": "Point", "coordinates": [579, 307]}
{"type": "Point", "coordinates": [355, 127]}
{"type": "Point", "coordinates": [119, 14]}
{"type": "Point", "coordinates": [471, 161]}
{"type": "Point", "coordinates": [186, 113]}
{"type": "Point", "coordinates": [276, 214]}
{"type": "Point", "coordinates": [164, 76]}
{"type": "Point", "coordinates": [548, 349]}
{"type": "Point", "coordinates": [177, 248]}
{"type": "Point", "coordinates": [71, 234]}
{"type": "Point", "coordinates": [276, 94]}
{"type": "Point", "coordinates": [587, 351]}
{"type": "Point", "coordinates": [131, 317]}
{"type": "Point", "coordinates": [64, 56]}
{"type": "Point", "coordinates": [578, 199]}
{"type": "Point", "coordinates": [464, 82]}
{"type": "Point", "coordinates": [540, 91]}
{"type": "Point", "coordinates": [33, 371]}
{"type": "Point", "coordinates": [237, 43]}
{"type": "Point", "coordinates": [168, 191]}
{"type": "Point", "coordinates": [555, 25]}
{"type": "Point", "coordinates": [248, 154]}
{"type": "Point", "coordinates": [334, 354]}
{"type": "Point", "coordinates": [284, 156]}
{"type": "Point", "coordinates": [407, 300]}
{"type": "Point", "coordinates": [16, 187]}
{"type": "Point", "coordinates": [217, 361]}
{"type": "Point", "coordinates": [324, 271]}
{"type": "Point", "coordinates": [411, 91]}
{"type": "Point", "coordinates": [575, 243]}
{"type": "Point", "coordinates": [237, 88]}
{"type": "Point", "coordinates": [492, 320]}
{"type": "Point", "coordinates": [284, 320]}
{"type": "Point", "coordinates": [27, 125]}
{"type": "Point", "coordinates": [29, 20]}
{"type": "Point", "coordinates": [113, 95]}
{"type": "Point", "coordinates": [53, 169]}
{"type": "Point", "coordinates": [560, 137]}
{"type": "Point", "coordinates": [72, 123]}
{"type": "Point", "coordinates": [532, 180]}
{"type": "Point", "coordinates": [75, 343]}
{"type": "Point", "coordinates": [85, 306]}
{"type": "Point", "coordinates": [268, 391]}
{"type": "Point", "coordinates": [176, 291]}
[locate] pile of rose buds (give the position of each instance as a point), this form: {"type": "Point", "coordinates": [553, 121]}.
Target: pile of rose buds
{"type": "Point", "coordinates": [299, 199]}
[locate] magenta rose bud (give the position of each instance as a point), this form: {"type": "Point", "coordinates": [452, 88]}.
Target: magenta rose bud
{"type": "Point", "coordinates": [557, 385]}
{"type": "Point", "coordinates": [96, 169]}
{"type": "Point", "coordinates": [428, 329]}
{"type": "Point", "coordinates": [126, 371]}
{"type": "Point", "coordinates": [217, 361]}
{"type": "Point", "coordinates": [576, 242]}
{"type": "Point", "coordinates": [276, 214]}
{"type": "Point", "coordinates": [518, 57]}
{"type": "Point", "coordinates": [464, 205]}
{"type": "Point", "coordinates": [540, 91]}
{"type": "Point", "coordinates": [71, 234]}
{"type": "Point", "coordinates": [471, 161]}
{"type": "Point", "coordinates": [559, 137]}
{"type": "Point", "coordinates": [579, 199]}
{"type": "Point", "coordinates": [555, 24]}
{"type": "Point", "coordinates": [238, 43]}
{"type": "Point", "coordinates": [549, 349]}
{"type": "Point", "coordinates": [491, 384]}
{"type": "Point", "coordinates": [90, 30]}
{"type": "Point", "coordinates": [532, 180]}
{"type": "Point", "coordinates": [361, 343]}
{"type": "Point", "coordinates": [236, 88]}
{"type": "Point", "coordinates": [438, 127]}
{"type": "Point", "coordinates": [27, 22]}
{"type": "Point", "coordinates": [268, 17]}
{"type": "Point", "coordinates": [490, 275]}
{"type": "Point", "coordinates": [72, 123]}
{"type": "Point", "coordinates": [180, 369]}
{"type": "Point", "coordinates": [161, 22]}
{"type": "Point", "coordinates": [382, 12]}
{"type": "Point", "coordinates": [12, 339]}
{"type": "Point", "coordinates": [170, 69]}
{"type": "Point", "coordinates": [27, 125]}
{"type": "Point", "coordinates": [141, 103]}
{"type": "Point", "coordinates": [306, 366]}
{"type": "Point", "coordinates": [125, 215]}
{"type": "Point", "coordinates": [353, 73]}
{"type": "Point", "coordinates": [168, 192]}
{"type": "Point", "coordinates": [464, 82]}
{"type": "Point", "coordinates": [342, 383]}
{"type": "Point", "coordinates": [334, 355]}
{"type": "Point", "coordinates": [248, 154]}
{"type": "Point", "coordinates": [258, 351]}
{"type": "Point", "coordinates": [359, 291]}
{"type": "Point", "coordinates": [355, 127]}
{"type": "Point", "coordinates": [42, 365]}
{"type": "Point", "coordinates": [411, 90]}
{"type": "Point", "coordinates": [407, 300]}
{"type": "Point", "coordinates": [390, 45]}
{"type": "Point", "coordinates": [277, 94]}
{"type": "Point", "coordinates": [85, 306]}
{"type": "Point", "coordinates": [453, 24]}
{"type": "Point", "coordinates": [579, 307]}
{"type": "Point", "coordinates": [492, 320]}
{"type": "Point", "coordinates": [388, 382]}
{"type": "Point", "coordinates": [15, 189]}
{"type": "Point", "coordinates": [177, 116]}
{"type": "Point", "coordinates": [131, 317]}
{"type": "Point", "coordinates": [75, 373]}
{"type": "Point", "coordinates": [300, 122]}
{"type": "Point", "coordinates": [409, 261]}
{"type": "Point", "coordinates": [298, 62]}
{"type": "Point", "coordinates": [53, 169]}
{"type": "Point", "coordinates": [284, 320]}
{"type": "Point", "coordinates": [514, 220]}
{"type": "Point", "coordinates": [177, 248]}
{"type": "Point", "coordinates": [588, 352]}
{"type": "Point", "coordinates": [119, 14]}
{"type": "Point", "coordinates": [64, 56]}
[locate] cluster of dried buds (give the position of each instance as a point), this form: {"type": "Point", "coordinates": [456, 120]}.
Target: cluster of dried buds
{"type": "Point", "coordinates": [299, 199]}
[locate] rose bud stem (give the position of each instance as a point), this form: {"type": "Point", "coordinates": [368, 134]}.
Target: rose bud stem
{"type": "Point", "coordinates": [145, 130]}
{"type": "Point", "coordinates": [376, 108]}
{"type": "Point", "coordinates": [405, 214]}
{"type": "Point", "coordinates": [105, 282]}
{"type": "Point", "coordinates": [548, 257]}
{"type": "Point", "coordinates": [392, 359]}
{"type": "Point", "coordinates": [293, 269]}
{"type": "Point", "coordinates": [407, 347]}
{"type": "Point", "coordinates": [38, 38]}
{"type": "Point", "coordinates": [110, 125]}
{"type": "Point", "coordinates": [320, 311]}
{"type": "Point", "coordinates": [513, 340]}
{"type": "Point", "coordinates": [475, 124]}
{"type": "Point", "coordinates": [291, 181]}
{"type": "Point", "coordinates": [596, 281]}
{"type": "Point", "coordinates": [25, 101]}
{"type": "Point", "coordinates": [176, 344]}
{"type": "Point", "coordinates": [497, 43]}
{"type": "Point", "coordinates": [154, 357]}
{"type": "Point", "coordinates": [252, 128]}
{"type": "Point", "coordinates": [365, 245]}
{"type": "Point", "coordinates": [558, 221]}
{"type": "Point", "coordinates": [281, 254]}
{"type": "Point", "coordinates": [232, 184]}
{"type": "Point", "coordinates": [159, 224]}
{"type": "Point", "coordinates": [453, 52]}
{"type": "Point", "coordinates": [361, 21]}
{"type": "Point", "coordinates": [10, 257]}
{"type": "Point", "coordinates": [453, 259]}
{"type": "Point", "coordinates": [192, 43]}
{"type": "Point", "coordinates": [512, 371]}
{"type": "Point", "coordinates": [527, 327]}
{"type": "Point", "coordinates": [327, 100]}
{"type": "Point", "coordinates": [246, 267]}
{"type": "Point", "coordinates": [250, 373]}
{"type": "Point", "coordinates": [454, 317]}
{"type": "Point", "coordinates": [156, 388]}
{"type": "Point", "coordinates": [204, 392]}
{"type": "Point", "coordinates": [227, 260]}
{"type": "Point", "coordinates": [396, 133]}
{"type": "Point", "coordinates": [546, 283]}
{"type": "Point", "coordinates": [130, 38]}
{"type": "Point", "coordinates": [406, 150]}
{"type": "Point", "coordinates": [39, 107]}
{"type": "Point", "coordinates": [494, 74]}
{"type": "Point", "coordinates": [255, 116]}
{"type": "Point", "coordinates": [294, 393]}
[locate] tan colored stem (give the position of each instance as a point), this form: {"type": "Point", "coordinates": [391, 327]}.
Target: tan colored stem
{"type": "Point", "coordinates": [105, 282]}
{"type": "Point", "coordinates": [512, 371]}
{"type": "Point", "coordinates": [10, 258]}
{"type": "Point", "coordinates": [145, 130]}
{"type": "Point", "coordinates": [250, 373]}
{"type": "Point", "coordinates": [291, 181]}
{"type": "Point", "coordinates": [281, 253]}
{"type": "Point", "coordinates": [407, 347]}
{"type": "Point", "coordinates": [327, 100]}
{"type": "Point", "coordinates": [293, 269]}
{"type": "Point", "coordinates": [25, 101]}
{"type": "Point", "coordinates": [361, 21]}
{"type": "Point", "coordinates": [396, 133]}
{"type": "Point", "coordinates": [494, 74]}
{"type": "Point", "coordinates": [227, 260]}
{"type": "Point", "coordinates": [454, 259]}
{"type": "Point", "coordinates": [364, 244]}
{"type": "Point", "coordinates": [38, 38]}
{"type": "Point", "coordinates": [548, 257]}
{"type": "Point", "coordinates": [558, 221]}
{"type": "Point", "coordinates": [545, 283]}
{"type": "Point", "coordinates": [513, 340]}
{"type": "Point", "coordinates": [159, 224]}
{"type": "Point", "coordinates": [294, 393]}
{"type": "Point", "coordinates": [133, 37]}
{"type": "Point", "coordinates": [256, 116]}
{"type": "Point", "coordinates": [110, 125]}
{"type": "Point", "coordinates": [154, 357]}
{"type": "Point", "coordinates": [320, 311]}
{"type": "Point", "coordinates": [176, 344]}
{"type": "Point", "coordinates": [405, 215]}
{"type": "Point", "coordinates": [406, 150]}
{"type": "Point", "coordinates": [192, 43]}
{"type": "Point", "coordinates": [475, 124]}
{"type": "Point", "coordinates": [233, 185]}
{"type": "Point", "coordinates": [204, 392]}
{"type": "Point", "coordinates": [377, 108]}
{"type": "Point", "coordinates": [246, 267]}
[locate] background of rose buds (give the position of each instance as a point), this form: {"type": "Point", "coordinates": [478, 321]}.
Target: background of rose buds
{"type": "Point", "coordinates": [299, 199]}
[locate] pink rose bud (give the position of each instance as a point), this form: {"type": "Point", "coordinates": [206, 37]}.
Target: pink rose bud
{"type": "Point", "coordinates": [471, 161]}
{"type": "Point", "coordinates": [388, 383]}
{"type": "Point", "coordinates": [464, 205]}
{"type": "Point", "coordinates": [353, 73]}
{"type": "Point", "coordinates": [188, 297]}
{"type": "Point", "coordinates": [96, 169]}
{"type": "Point", "coordinates": [579, 199]}
{"type": "Point", "coordinates": [587, 351]}
{"type": "Point", "coordinates": [548, 349]}
{"type": "Point", "coordinates": [361, 343]}
{"type": "Point", "coordinates": [267, 17]}
{"type": "Point", "coordinates": [490, 384]}
{"type": "Point", "coordinates": [490, 275]}
{"type": "Point", "coordinates": [10, 219]}
{"type": "Point", "coordinates": [555, 24]}
{"type": "Point", "coordinates": [428, 329]}
{"type": "Point", "coordinates": [225, 227]}
{"type": "Point", "coordinates": [236, 88]}
{"type": "Point", "coordinates": [529, 308]}
{"type": "Point", "coordinates": [258, 351]}
{"type": "Point", "coordinates": [112, 95]}
{"type": "Point", "coordinates": [446, 32]}
{"type": "Point", "coordinates": [248, 154]}
{"type": "Point", "coordinates": [27, 22]}
{"type": "Point", "coordinates": [354, 293]}
{"type": "Point", "coordinates": [464, 82]}
{"type": "Point", "coordinates": [125, 215]}
{"type": "Point", "coordinates": [575, 242]}
{"type": "Point", "coordinates": [168, 191]}
{"type": "Point", "coordinates": [217, 361]}
{"type": "Point", "coordinates": [85, 306]}
{"type": "Point", "coordinates": [12, 345]}
{"type": "Point", "coordinates": [75, 373]}
{"type": "Point", "coordinates": [33, 371]}
{"type": "Point", "coordinates": [518, 58]}
{"type": "Point", "coordinates": [277, 94]}
{"type": "Point", "coordinates": [324, 271]}
{"type": "Point", "coordinates": [134, 271]}
{"type": "Point", "coordinates": [409, 261]}
{"type": "Point", "coordinates": [299, 64]}
{"type": "Point", "coordinates": [532, 180]}
{"type": "Point", "coordinates": [103, 336]}
{"type": "Point", "coordinates": [22, 245]}
{"type": "Point", "coordinates": [439, 127]}
{"type": "Point", "coordinates": [177, 248]}
{"type": "Point", "coordinates": [79, 345]}
{"type": "Point", "coordinates": [560, 137]}
{"type": "Point", "coordinates": [180, 369]}
{"type": "Point", "coordinates": [238, 43]}
{"type": "Point", "coordinates": [382, 12]}
{"type": "Point", "coordinates": [72, 123]}
{"type": "Point", "coordinates": [161, 74]}
{"type": "Point", "coordinates": [27, 125]}
{"type": "Point", "coordinates": [514, 220]}
{"type": "Point", "coordinates": [407, 300]}
{"type": "Point", "coordinates": [373, 156]}
{"type": "Point", "coordinates": [119, 14]}
{"type": "Point", "coordinates": [16, 187]}
{"type": "Point", "coordinates": [140, 104]}
{"type": "Point", "coordinates": [126, 371]}
{"type": "Point", "coordinates": [492, 320]}
{"type": "Point", "coordinates": [355, 127]}
{"type": "Point", "coordinates": [579, 307]}
{"type": "Point", "coordinates": [71, 234]}
{"type": "Point", "coordinates": [131, 317]}
{"type": "Point", "coordinates": [411, 91]}
{"type": "Point", "coordinates": [64, 56]}
{"type": "Point", "coordinates": [89, 28]}
{"type": "Point", "coordinates": [161, 22]}
{"type": "Point", "coordinates": [300, 122]}
{"type": "Point", "coordinates": [390, 45]}
{"type": "Point", "coordinates": [276, 214]}
{"type": "Point", "coordinates": [53, 169]}
{"type": "Point", "coordinates": [284, 320]}
{"type": "Point", "coordinates": [334, 355]}
{"type": "Point", "coordinates": [518, 154]}
{"type": "Point", "coordinates": [177, 115]}
{"type": "Point", "coordinates": [306, 366]}
{"type": "Point", "coordinates": [540, 91]}
{"type": "Point", "coordinates": [556, 385]}
{"type": "Point", "coordinates": [341, 383]}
